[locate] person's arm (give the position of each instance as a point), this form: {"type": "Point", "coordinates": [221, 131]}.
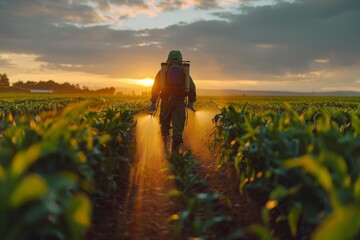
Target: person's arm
{"type": "Point", "coordinates": [156, 88]}
{"type": "Point", "coordinates": [192, 92]}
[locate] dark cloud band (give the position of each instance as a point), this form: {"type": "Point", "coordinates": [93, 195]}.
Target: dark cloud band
{"type": "Point", "coordinates": [263, 43]}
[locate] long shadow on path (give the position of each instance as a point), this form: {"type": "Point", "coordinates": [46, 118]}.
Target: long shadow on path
{"type": "Point", "coordinates": [146, 209]}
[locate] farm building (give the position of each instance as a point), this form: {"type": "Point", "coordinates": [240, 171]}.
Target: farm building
{"type": "Point", "coordinates": [41, 91]}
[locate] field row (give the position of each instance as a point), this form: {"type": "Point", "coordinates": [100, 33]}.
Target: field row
{"type": "Point", "coordinates": [308, 165]}
{"type": "Point", "coordinates": [58, 153]}
{"type": "Point", "coordinates": [51, 167]}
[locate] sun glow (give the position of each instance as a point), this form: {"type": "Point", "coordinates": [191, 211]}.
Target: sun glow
{"type": "Point", "coordinates": [147, 82]}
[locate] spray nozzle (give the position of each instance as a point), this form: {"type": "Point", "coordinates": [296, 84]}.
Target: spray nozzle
{"type": "Point", "coordinates": [191, 108]}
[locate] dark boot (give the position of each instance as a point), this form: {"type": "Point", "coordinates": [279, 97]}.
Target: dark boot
{"type": "Point", "coordinates": [166, 143]}
{"type": "Point", "coordinates": [175, 146]}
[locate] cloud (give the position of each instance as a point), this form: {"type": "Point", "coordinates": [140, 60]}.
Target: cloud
{"type": "Point", "coordinates": [297, 33]}
{"type": "Point", "coordinates": [206, 4]}
{"type": "Point", "coordinates": [51, 10]}
{"type": "Point", "coordinates": [5, 63]}
{"type": "Point", "coordinates": [289, 40]}
{"type": "Point", "coordinates": [170, 5]}
{"type": "Point", "coordinates": [326, 60]}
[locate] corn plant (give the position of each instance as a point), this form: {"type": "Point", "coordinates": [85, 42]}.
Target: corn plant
{"type": "Point", "coordinates": [198, 215]}
{"type": "Point", "coordinates": [37, 206]}
{"type": "Point", "coordinates": [49, 166]}
{"type": "Point", "coordinates": [260, 146]}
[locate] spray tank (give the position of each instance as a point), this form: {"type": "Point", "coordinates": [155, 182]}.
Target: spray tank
{"type": "Point", "coordinates": [164, 69]}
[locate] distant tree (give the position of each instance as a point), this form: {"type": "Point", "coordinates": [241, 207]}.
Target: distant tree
{"type": "Point", "coordinates": [145, 93]}
{"type": "Point", "coordinates": [4, 80]}
{"type": "Point", "coordinates": [112, 90]}
{"type": "Point", "coordinates": [107, 91]}
{"type": "Point", "coordinates": [19, 84]}
{"type": "Point", "coordinates": [61, 88]}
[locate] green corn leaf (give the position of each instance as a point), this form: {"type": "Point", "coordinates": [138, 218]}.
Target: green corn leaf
{"type": "Point", "coordinates": [78, 214]}
{"type": "Point", "coordinates": [198, 227]}
{"type": "Point", "coordinates": [343, 224]}
{"type": "Point", "coordinates": [242, 183]}
{"type": "Point", "coordinates": [293, 219]}
{"type": "Point", "coordinates": [104, 139]}
{"type": "Point", "coordinates": [216, 220]}
{"type": "Point", "coordinates": [357, 189]}
{"type": "Point", "coordinates": [265, 215]}
{"type": "Point", "coordinates": [278, 193]}
{"type": "Point", "coordinates": [174, 193]}
{"type": "Point", "coordinates": [2, 173]}
{"type": "Point", "coordinates": [262, 232]}
{"type": "Point", "coordinates": [355, 121]}
{"type": "Point", "coordinates": [311, 165]}
{"type": "Point", "coordinates": [24, 159]}
{"type": "Point", "coordinates": [30, 188]}
{"type": "Point", "coordinates": [184, 215]}
{"type": "Point", "coordinates": [236, 235]}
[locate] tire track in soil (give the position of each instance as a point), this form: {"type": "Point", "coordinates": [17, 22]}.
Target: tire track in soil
{"type": "Point", "coordinates": [146, 209]}
{"type": "Point", "coordinates": [246, 209]}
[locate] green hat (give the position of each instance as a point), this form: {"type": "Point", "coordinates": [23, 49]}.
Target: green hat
{"type": "Point", "coordinates": [174, 55]}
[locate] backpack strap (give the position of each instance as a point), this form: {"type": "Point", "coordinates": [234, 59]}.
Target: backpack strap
{"type": "Point", "coordinates": [186, 67]}
{"type": "Point", "coordinates": [164, 69]}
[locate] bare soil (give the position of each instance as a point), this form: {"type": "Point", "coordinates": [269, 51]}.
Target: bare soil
{"type": "Point", "coordinates": [140, 209]}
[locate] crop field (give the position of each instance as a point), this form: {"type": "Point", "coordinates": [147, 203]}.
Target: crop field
{"type": "Point", "coordinates": [85, 167]}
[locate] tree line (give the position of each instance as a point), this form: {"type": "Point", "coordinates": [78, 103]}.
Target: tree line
{"type": "Point", "coordinates": [66, 87]}
{"type": "Point", "coordinates": [4, 80]}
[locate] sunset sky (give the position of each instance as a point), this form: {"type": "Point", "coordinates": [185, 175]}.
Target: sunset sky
{"type": "Point", "coordinates": [298, 45]}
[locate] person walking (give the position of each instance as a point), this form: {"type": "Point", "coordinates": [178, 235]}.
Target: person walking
{"type": "Point", "coordinates": [176, 89]}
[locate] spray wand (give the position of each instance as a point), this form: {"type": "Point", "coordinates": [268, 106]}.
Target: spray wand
{"type": "Point", "coordinates": [152, 113]}
{"type": "Point", "coordinates": [191, 108]}
{"type": "Point", "coordinates": [188, 106]}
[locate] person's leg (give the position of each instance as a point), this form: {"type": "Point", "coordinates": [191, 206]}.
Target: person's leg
{"type": "Point", "coordinates": [178, 122]}
{"type": "Point", "coordinates": [165, 119]}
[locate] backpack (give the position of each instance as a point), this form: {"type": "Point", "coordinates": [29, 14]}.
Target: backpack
{"type": "Point", "coordinates": [175, 77]}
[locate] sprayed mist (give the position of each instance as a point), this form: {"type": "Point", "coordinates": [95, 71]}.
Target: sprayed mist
{"type": "Point", "coordinates": [150, 147]}
{"type": "Point", "coordinates": [146, 204]}
{"type": "Point", "coordinates": [198, 130]}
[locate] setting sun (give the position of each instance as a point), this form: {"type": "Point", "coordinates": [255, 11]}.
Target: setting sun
{"type": "Point", "coordinates": [147, 82]}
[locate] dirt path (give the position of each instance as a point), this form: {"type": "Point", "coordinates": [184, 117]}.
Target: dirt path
{"type": "Point", "coordinates": [142, 210]}
{"type": "Point", "coordinates": [246, 209]}
{"type": "Point", "coordinates": [146, 209]}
